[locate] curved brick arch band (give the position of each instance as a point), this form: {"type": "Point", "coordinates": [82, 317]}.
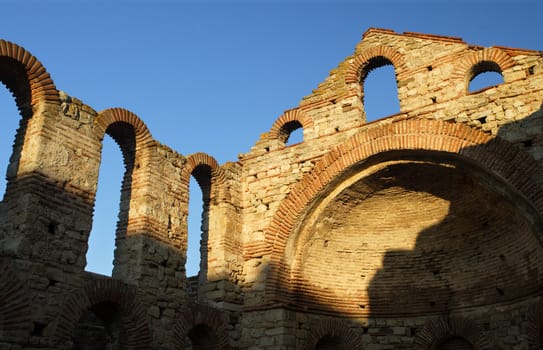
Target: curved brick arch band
{"type": "Point", "coordinates": [438, 330]}
{"type": "Point", "coordinates": [355, 71]}
{"type": "Point", "coordinates": [196, 314]}
{"type": "Point", "coordinates": [495, 155]}
{"type": "Point", "coordinates": [15, 307]}
{"type": "Point", "coordinates": [202, 159]}
{"type": "Point", "coordinates": [133, 314]}
{"type": "Point", "coordinates": [41, 85]}
{"type": "Point", "coordinates": [114, 115]}
{"type": "Point", "coordinates": [464, 67]}
{"type": "Point", "coordinates": [333, 328]}
{"type": "Point", "coordinates": [293, 115]}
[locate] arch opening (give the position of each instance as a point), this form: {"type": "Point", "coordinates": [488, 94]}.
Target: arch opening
{"type": "Point", "coordinates": [8, 137]}
{"type": "Point", "coordinates": [201, 337]}
{"type": "Point", "coordinates": [99, 328]}
{"type": "Point", "coordinates": [484, 75]}
{"type": "Point", "coordinates": [330, 343]}
{"type": "Point", "coordinates": [198, 222]}
{"type": "Point", "coordinates": [291, 133]}
{"type": "Point", "coordinates": [111, 212]}
{"type": "Point", "coordinates": [13, 74]}
{"type": "Point", "coordinates": [14, 88]}
{"type": "Point", "coordinates": [455, 343]}
{"type": "Point", "coordinates": [379, 89]}
{"type": "Point", "coordinates": [101, 244]}
{"type": "Point", "coordinates": [439, 227]}
{"type": "Point", "coordinates": [194, 223]}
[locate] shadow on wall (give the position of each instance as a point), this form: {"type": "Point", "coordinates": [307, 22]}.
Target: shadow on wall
{"type": "Point", "coordinates": [431, 234]}
{"type": "Point", "coordinates": [480, 252]}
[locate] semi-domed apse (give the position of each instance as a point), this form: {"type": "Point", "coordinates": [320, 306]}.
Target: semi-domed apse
{"type": "Point", "coordinates": [415, 235]}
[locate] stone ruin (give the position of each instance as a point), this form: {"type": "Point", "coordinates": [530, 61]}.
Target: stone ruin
{"type": "Point", "coordinates": [422, 230]}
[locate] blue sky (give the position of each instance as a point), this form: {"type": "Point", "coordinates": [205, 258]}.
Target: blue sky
{"type": "Point", "coordinates": [211, 76]}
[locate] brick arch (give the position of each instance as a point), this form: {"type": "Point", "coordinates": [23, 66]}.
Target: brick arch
{"type": "Point", "coordinates": [334, 328]}
{"type": "Point", "coordinates": [439, 329]}
{"type": "Point", "coordinates": [201, 159]}
{"type": "Point", "coordinates": [209, 176]}
{"type": "Point", "coordinates": [139, 154]}
{"type": "Point", "coordinates": [25, 77]}
{"type": "Point", "coordinates": [133, 314]}
{"type": "Point", "coordinates": [492, 154]}
{"type": "Point", "coordinates": [358, 68]}
{"type": "Point", "coordinates": [280, 129]}
{"type": "Point", "coordinates": [14, 302]}
{"type": "Point", "coordinates": [535, 326]}
{"type": "Point", "coordinates": [197, 314]}
{"type": "Point", "coordinates": [110, 116]}
{"type": "Point", "coordinates": [137, 147]}
{"type": "Point", "coordinates": [466, 67]}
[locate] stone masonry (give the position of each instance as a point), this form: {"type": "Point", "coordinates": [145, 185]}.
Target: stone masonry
{"type": "Point", "coordinates": [422, 230]}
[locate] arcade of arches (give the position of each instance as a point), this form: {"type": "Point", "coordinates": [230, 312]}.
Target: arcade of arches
{"type": "Point", "coordinates": [420, 230]}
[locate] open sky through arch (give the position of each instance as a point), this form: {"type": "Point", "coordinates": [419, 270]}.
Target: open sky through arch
{"type": "Point", "coordinates": [211, 76]}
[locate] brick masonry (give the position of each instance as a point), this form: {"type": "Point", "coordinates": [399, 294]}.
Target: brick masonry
{"type": "Point", "coordinates": [421, 230]}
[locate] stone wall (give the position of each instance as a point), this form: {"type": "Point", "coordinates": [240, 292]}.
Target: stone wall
{"type": "Point", "coordinates": [420, 230]}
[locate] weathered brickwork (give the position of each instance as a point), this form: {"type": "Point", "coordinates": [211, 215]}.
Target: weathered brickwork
{"type": "Point", "coordinates": [422, 230]}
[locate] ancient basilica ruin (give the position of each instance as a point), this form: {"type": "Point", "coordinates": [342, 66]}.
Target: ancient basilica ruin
{"type": "Point", "coordinates": [422, 230]}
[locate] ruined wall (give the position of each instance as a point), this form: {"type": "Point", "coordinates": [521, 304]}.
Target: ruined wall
{"type": "Point", "coordinates": [419, 230]}
{"type": "Point", "coordinates": [411, 219]}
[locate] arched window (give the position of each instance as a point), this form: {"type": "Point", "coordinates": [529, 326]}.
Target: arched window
{"type": "Point", "coordinates": [10, 122]}
{"type": "Point", "coordinates": [198, 224]}
{"type": "Point", "coordinates": [485, 80]}
{"type": "Point", "coordinates": [110, 219]}
{"type": "Point", "coordinates": [196, 207]}
{"type": "Point", "coordinates": [201, 337]}
{"type": "Point", "coordinates": [291, 133]}
{"type": "Point", "coordinates": [380, 89]}
{"type": "Point", "coordinates": [483, 75]}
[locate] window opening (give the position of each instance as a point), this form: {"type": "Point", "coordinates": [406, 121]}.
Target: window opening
{"type": "Point", "coordinates": [101, 244]}
{"type": "Point", "coordinates": [296, 136]}
{"type": "Point", "coordinates": [198, 224]}
{"type": "Point", "coordinates": [10, 124]}
{"type": "Point", "coordinates": [380, 91]}
{"type": "Point", "coordinates": [291, 133]}
{"type": "Point", "coordinates": [485, 80]}
{"type": "Point", "coordinates": [483, 75]}
{"type": "Point", "coordinates": [194, 223]}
